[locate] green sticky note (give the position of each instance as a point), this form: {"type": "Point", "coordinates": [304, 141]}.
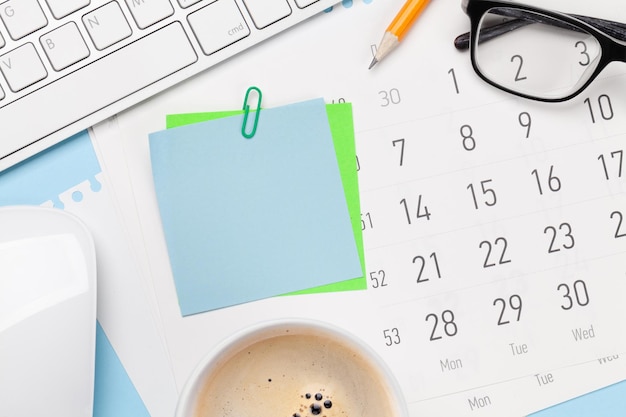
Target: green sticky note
{"type": "Point", "coordinates": [342, 131]}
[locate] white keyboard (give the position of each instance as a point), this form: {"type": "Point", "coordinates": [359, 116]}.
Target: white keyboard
{"type": "Point", "coordinates": [68, 64]}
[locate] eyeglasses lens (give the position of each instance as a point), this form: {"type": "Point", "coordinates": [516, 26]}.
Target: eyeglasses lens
{"type": "Point", "coordinates": [539, 56]}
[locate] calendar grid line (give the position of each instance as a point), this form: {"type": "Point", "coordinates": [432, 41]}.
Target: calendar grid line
{"type": "Point", "coordinates": [542, 153]}
{"type": "Point", "coordinates": [459, 110]}
{"type": "Point", "coordinates": [508, 380]}
{"type": "Point", "coordinates": [525, 275]}
{"type": "Point", "coordinates": [485, 223]}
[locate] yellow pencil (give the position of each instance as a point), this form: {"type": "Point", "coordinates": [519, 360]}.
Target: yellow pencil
{"type": "Point", "coordinates": [398, 28]}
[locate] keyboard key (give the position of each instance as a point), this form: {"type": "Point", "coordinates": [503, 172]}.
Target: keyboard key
{"type": "Point", "coordinates": [107, 25]}
{"type": "Point", "coordinates": [304, 3]}
{"type": "Point", "coordinates": [1, 93]}
{"type": "Point", "coordinates": [118, 72]}
{"type": "Point", "coordinates": [186, 3]}
{"type": "Point", "coordinates": [22, 67]}
{"type": "Point", "coordinates": [22, 17]}
{"type": "Point", "coordinates": [1, 41]}
{"type": "Point", "coordinates": [266, 12]}
{"type": "Point", "coordinates": [62, 8]}
{"type": "Point", "coordinates": [64, 46]}
{"type": "Point", "coordinates": [218, 25]}
{"type": "Point", "coordinates": [148, 12]}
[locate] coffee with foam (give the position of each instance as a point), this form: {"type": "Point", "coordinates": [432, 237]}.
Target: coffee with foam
{"type": "Point", "coordinates": [293, 369]}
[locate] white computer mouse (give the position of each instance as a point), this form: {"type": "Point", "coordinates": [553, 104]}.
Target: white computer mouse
{"type": "Point", "coordinates": [47, 314]}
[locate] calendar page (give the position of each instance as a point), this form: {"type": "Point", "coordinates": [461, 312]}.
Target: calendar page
{"type": "Point", "coordinates": [494, 226]}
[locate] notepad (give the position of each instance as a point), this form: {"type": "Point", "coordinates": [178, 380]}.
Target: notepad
{"type": "Point", "coordinates": [342, 130]}
{"type": "Point", "coordinates": [246, 219]}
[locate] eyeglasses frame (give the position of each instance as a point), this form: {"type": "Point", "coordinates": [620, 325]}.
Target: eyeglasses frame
{"type": "Point", "coordinates": [611, 48]}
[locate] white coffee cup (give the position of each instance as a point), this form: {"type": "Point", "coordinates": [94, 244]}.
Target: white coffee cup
{"type": "Point", "coordinates": [259, 369]}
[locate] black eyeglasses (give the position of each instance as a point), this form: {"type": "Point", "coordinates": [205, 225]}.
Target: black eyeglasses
{"type": "Point", "coordinates": [539, 54]}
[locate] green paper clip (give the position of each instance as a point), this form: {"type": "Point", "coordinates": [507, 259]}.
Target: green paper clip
{"type": "Point", "coordinates": [246, 108]}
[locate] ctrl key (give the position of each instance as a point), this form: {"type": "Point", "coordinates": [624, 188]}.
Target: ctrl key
{"type": "Point", "coordinates": [218, 25]}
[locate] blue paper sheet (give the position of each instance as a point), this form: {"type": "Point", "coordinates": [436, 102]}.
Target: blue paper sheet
{"type": "Point", "coordinates": [50, 173]}
{"type": "Point", "coordinates": [115, 394]}
{"type": "Point", "coordinates": [246, 219]}
{"type": "Point", "coordinates": [43, 178]}
{"type": "Point", "coordinates": [605, 402]}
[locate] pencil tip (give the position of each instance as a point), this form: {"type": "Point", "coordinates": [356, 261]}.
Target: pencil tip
{"type": "Point", "coordinates": [374, 62]}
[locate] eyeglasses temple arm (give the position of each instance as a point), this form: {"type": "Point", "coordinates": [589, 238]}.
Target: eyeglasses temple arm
{"type": "Point", "coordinates": [614, 29]}
{"type": "Point", "coordinates": [462, 42]}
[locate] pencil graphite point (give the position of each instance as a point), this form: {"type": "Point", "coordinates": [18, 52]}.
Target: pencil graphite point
{"type": "Point", "coordinates": [398, 27]}
{"type": "Point", "coordinates": [387, 44]}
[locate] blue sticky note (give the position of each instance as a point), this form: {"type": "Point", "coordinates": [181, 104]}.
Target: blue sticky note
{"type": "Point", "coordinates": [246, 219]}
{"type": "Point", "coordinates": [605, 402]}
